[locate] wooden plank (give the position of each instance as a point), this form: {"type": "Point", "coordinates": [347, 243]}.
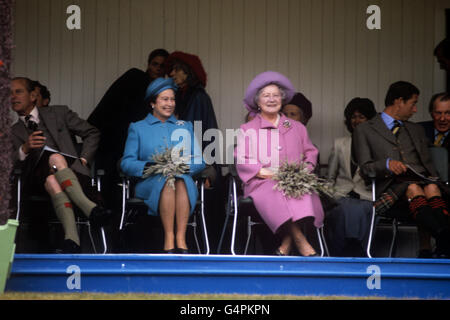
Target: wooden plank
{"type": "Point", "coordinates": [57, 24]}
{"type": "Point", "coordinates": [124, 34]}
{"type": "Point", "coordinates": [136, 31]}
{"type": "Point", "coordinates": [19, 51]}
{"type": "Point", "coordinates": [339, 98]}
{"type": "Point", "coordinates": [293, 61]}
{"type": "Point", "coordinates": [43, 54]}
{"type": "Point", "coordinates": [89, 101]}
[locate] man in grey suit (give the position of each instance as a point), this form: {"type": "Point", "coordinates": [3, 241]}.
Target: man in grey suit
{"type": "Point", "coordinates": [395, 152]}
{"type": "Point", "coordinates": [49, 172]}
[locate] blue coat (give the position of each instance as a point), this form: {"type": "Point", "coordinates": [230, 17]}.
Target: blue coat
{"type": "Point", "coordinates": [151, 136]}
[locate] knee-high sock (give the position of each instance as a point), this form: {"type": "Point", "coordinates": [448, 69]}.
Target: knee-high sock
{"type": "Point", "coordinates": [440, 210]}
{"type": "Point", "coordinates": [424, 215]}
{"type": "Point", "coordinates": [64, 212]}
{"type": "Point", "coordinates": [70, 184]}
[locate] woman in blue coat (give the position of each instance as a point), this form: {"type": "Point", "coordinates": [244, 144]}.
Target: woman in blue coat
{"type": "Point", "coordinates": [150, 137]}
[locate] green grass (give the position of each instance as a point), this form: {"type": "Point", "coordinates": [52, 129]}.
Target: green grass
{"type": "Point", "coordinates": [144, 296]}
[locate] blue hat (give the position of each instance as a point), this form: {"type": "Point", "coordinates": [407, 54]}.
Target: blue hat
{"type": "Point", "coordinates": [159, 85]}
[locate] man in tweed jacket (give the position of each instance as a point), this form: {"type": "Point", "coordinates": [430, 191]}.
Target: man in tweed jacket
{"type": "Point", "coordinates": [395, 152]}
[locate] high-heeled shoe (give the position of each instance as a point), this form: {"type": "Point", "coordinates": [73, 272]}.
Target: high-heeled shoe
{"type": "Point", "coordinates": [279, 253]}
{"type": "Point", "coordinates": [183, 251]}
{"type": "Point", "coordinates": [170, 251]}
{"type": "Point", "coordinates": [313, 255]}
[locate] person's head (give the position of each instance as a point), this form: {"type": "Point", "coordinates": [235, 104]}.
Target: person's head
{"type": "Point", "coordinates": [357, 111]}
{"type": "Point", "coordinates": [442, 54]}
{"type": "Point", "coordinates": [23, 95]}
{"type": "Point", "coordinates": [401, 100]}
{"type": "Point", "coordinates": [186, 69]}
{"type": "Point", "coordinates": [160, 96]}
{"type": "Point", "coordinates": [156, 60]}
{"type": "Point", "coordinates": [267, 92]}
{"type": "Point", "coordinates": [269, 99]}
{"type": "Point", "coordinates": [439, 109]}
{"type": "Point", "coordinates": [42, 94]}
{"type": "Point", "coordinates": [299, 108]}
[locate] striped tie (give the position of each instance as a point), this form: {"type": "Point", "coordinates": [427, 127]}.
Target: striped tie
{"type": "Point", "coordinates": [396, 127]}
{"type": "Point", "coordinates": [439, 139]}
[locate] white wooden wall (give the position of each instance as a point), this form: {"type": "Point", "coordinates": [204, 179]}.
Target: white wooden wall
{"type": "Point", "coordinates": [323, 46]}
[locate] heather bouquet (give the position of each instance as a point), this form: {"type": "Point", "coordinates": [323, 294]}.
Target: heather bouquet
{"type": "Point", "coordinates": [169, 163]}
{"type": "Point", "coordinates": [295, 180]}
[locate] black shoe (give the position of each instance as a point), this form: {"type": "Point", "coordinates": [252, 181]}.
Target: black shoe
{"type": "Point", "coordinates": [170, 251]}
{"type": "Point", "coordinates": [69, 246]}
{"type": "Point", "coordinates": [443, 244]}
{"type": "Point", "coordinates": [100, 216]}
{"type": "Point", "coordinates": [183, 251]}
{"type": "Point", "coordinates": [425, 254]}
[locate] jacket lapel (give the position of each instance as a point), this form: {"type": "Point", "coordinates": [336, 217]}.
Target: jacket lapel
{"type": "Point", "coordinates": [21, 130]}
{"type": "Point", "coordinates": [378, 125]}
{"type": "Point", "coordinates": [50, 122]}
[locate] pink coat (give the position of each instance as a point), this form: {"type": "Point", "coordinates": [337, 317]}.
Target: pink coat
{"type": "Point", "coordinates": [293, 142]}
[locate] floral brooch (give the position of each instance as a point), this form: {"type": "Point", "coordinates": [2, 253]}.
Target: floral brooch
{"type": "Point", "coordinates": [286, 124]}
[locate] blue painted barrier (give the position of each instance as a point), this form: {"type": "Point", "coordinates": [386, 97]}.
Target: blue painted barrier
{"type": "Point", "coordinates": [263, 275]}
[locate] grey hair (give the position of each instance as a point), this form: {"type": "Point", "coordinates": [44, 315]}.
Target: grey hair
{"type": "Point", "coordinates": [283, 94]}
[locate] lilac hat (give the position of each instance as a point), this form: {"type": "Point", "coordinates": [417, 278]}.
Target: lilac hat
{"type": "Point", "coordinates": [265, 79]}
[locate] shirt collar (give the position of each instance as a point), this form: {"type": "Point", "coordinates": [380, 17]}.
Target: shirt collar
{"type": "Point", "coordinates": [34, 115]}
{"type": "Point", "coordinates": [388, 120]}
{"type": "Point", "coordinates": [437, 132]}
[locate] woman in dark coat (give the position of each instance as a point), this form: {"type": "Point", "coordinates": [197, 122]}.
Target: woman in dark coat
{"type": "Point", "coordinates": [194, 104]}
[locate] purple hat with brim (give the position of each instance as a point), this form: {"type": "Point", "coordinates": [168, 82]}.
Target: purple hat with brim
{"type": "Point", "coordinates": [262, 80]}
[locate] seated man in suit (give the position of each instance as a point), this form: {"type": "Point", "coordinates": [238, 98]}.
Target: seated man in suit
{"type": "Point", "coordinates": [53, 127]}
{"type": "Point", "coordinates": [437, 129]}
{"type": "Point", "coordinates": [395, 151]}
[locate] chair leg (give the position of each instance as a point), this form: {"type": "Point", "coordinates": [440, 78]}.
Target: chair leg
{"type": "Point", "coordinates": [19, 189]}
{"type": "Point", "coordinates": [202, 211]}
{"type": "Point", "coordinates": [371, 232]}
{"type": "Point", "coordinates": [249, 233]}
{"type": "Point", "coordinates": [322, 242]}
{"type": "Point", "coordinates": [193, 224]}
{"type": "Point", "coordinates": [122, 218]}
{"type": "Point", "coordinates": [227, 217]}
{"type": "Point", "coordinates": [235, 204]}
{"type": "Point", "coordinates": [372, 221]}
{"type": "Point", "coordinates": [394, 237]}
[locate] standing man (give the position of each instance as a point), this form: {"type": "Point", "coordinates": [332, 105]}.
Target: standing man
{"type": "Point", "coordinates": [395, 151]}
{"type": "Point", "coordinates": [442, 54]}
{"type": "Point", "coordinates": [53, 127]}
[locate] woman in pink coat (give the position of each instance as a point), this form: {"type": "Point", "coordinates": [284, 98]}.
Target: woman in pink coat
{"type": "Point", "coordinates": [264, 144]}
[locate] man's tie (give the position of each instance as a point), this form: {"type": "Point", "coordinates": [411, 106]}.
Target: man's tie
{"type": "Point", "coordinates": [439, 139]}
{"type": "Point", "coordinates": [396, 127]}
{"type": "Point", "coordinates": [32, 125]}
